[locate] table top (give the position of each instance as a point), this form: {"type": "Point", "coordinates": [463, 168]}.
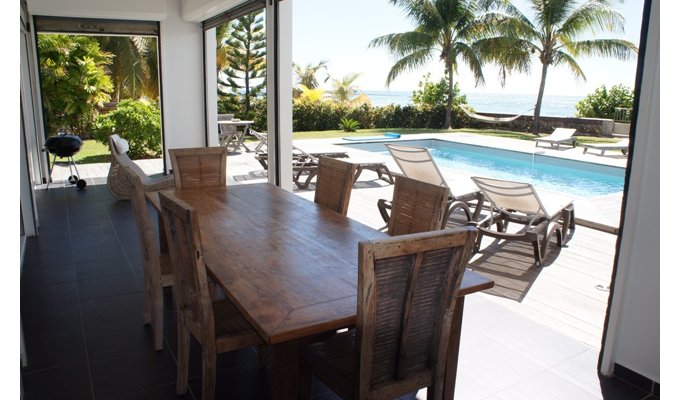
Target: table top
{"type": "Point", "coordinates": [288, 264]}
{"type": "Point", "coordinates": [232, 122]}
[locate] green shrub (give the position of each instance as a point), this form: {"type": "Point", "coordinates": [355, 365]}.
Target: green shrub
{"type": "Point", "coordinates": [348, 124]}
{"type": "Point", "coordinates": [603, 103]}
{"type": "Point", "coordinates": [138, 122]}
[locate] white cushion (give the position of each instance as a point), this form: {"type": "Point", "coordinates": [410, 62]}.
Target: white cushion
{"type": "Point", "coordinates": [122, 145]}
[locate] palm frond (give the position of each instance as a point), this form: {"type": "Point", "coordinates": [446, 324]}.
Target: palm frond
{"type": "Point", "coordinates": [592, 16]}
{"type": "Point", "coordinates": [614, 48]}
{"type": "Point", "coordinates": [562, 58]}
{"type": "Point", "coordinates": [412, 61]}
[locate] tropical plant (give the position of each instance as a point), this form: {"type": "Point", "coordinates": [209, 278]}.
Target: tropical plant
{"type": "Point", "coordinates": [73, 81]}
{"type": "Point", "coordinates": [134, 69]}
{"type": "Point", "coordinates": [447, 29]}
{"type": "Point", "coordinates": [242, 51]}
{"type": "Point", "coordinates": [138, 122]}
{"type": "Point", "coordinates": [434, 94]}
{"type": "Point", "coordinates": [348, 124]}
{"type": "Point", "coordinates": [307, 75]}
{"type": "Point", "coordinates": [344, 90]}
{"type": "Point", "coordinates": [555, 37]}
{"type": "Point", "coordinates": [309, 95]}
{"type": "Point", "coordinates": [603, 103]}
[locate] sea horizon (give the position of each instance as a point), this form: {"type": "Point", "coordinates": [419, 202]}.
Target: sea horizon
{"type": "Point", "coordinates": [502, 103]}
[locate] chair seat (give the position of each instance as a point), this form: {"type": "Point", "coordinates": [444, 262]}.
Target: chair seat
{"type": "Point", "coordinates": [332, 360]}
{"type": "Point", "coordinates": [230, 323]}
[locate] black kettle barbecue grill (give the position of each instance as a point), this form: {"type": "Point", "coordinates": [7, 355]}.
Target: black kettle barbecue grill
{"type": "Point", "coordinates": [65, 146]}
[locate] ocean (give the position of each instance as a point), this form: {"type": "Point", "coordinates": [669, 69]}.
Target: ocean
{"type": "Point", "coordinates": [504, 103]}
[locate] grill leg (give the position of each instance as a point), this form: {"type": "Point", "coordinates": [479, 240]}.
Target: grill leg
{"type": "Point", "coordinates": [54, 159]}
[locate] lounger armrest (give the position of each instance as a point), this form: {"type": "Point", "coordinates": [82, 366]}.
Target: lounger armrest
{"type": "Point", "coordinates": [383, 206]}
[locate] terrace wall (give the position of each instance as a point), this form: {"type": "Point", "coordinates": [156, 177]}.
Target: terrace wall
{"type": "Point", "coordinates": [584, 126]}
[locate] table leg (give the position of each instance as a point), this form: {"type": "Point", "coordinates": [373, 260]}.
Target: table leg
{"type": "Point", "coordinates": [285, 370]}
{"type": "Point", "coordinates": [454, 347]}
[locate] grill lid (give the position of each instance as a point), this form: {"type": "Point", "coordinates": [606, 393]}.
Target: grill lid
{"type": "Point", "coordinates": [63, 145]}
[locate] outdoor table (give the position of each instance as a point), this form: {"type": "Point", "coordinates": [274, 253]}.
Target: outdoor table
{"type": "Point", "coordinates": [239, 135]}
{"type": "Point", "coordinates": [291, 268]}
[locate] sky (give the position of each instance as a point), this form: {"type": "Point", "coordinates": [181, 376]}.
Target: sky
{"type": "Point", "coordinates": [339, 31]}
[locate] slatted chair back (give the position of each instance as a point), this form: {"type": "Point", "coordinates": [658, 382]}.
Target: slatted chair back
{"type": "Point", "coordinates": [192, 296]}
{"type": "Point", "coordinates": [157, 270]}
{"type": "Point", "coordinates": [199, 167]}
{"type": "Point", "coordinates": [334, 184]}
{"type": "Point", "coordinates": [407, 292]}
{"type": "Point", "coordinates": [417, 206]}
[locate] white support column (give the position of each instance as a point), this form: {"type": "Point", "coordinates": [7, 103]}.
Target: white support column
{"type": "Point", "coordinates": [279, 91]}
{"type": "Point", "coordinates": [211, 86]}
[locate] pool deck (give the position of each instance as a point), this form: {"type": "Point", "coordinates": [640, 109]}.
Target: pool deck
{"type": "Point", "coordinates": [601, 212]}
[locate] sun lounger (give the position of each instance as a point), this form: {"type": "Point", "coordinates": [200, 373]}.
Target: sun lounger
{"type": "Point", "coordinates": [620, 145]}
{"type": "Point", "coordinates": [519, 203]}
{"type": "Point", "coordinates": [417, 163]}
{"type": "Point", "coordinates": [558, 137]}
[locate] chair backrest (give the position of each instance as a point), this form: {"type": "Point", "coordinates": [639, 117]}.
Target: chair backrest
{"type": "Point", "coordinates": [199, 167]}
{"type": "Point", "coordinates": [417, 163]}
{"type": "Point", "coordinates": [119, 157]}
{"type": "Point", "coordinates": [334, 184]}
{"type": "Point", "coordinates": [511, 196]}
{"type": "Point", "coordinates": [407, 292]}
{"type": "Point", "coordinates": [147, 240]}
{"type": "Point", "coordinates": [416, 206]}
{"type": "Point", "coordinates": [562, 133]}
{"type": "Point", "coordinates": [192, 294]}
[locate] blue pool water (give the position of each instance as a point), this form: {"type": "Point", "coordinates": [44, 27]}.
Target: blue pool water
{"type": "Point", "coordinates": [575, 178]}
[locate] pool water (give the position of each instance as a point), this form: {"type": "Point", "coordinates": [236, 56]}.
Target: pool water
{"type": "Point", "coordinates": [576, 178]}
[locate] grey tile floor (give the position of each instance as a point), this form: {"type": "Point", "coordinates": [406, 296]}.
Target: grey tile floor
{"type": "Point", "coordinates": [81, 307]}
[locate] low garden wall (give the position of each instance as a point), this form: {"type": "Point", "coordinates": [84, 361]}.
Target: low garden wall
{"type": "Point", "coordinates": [584, 126]}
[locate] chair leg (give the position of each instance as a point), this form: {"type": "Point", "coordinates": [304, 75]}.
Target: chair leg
{"type": "Point", "coordinates": [157, 315]}
{"type": "Point", "coordinates": [183, 343]}
{"type": "Point", "coordinates": [209, 371]}
{"type": "Point", "coordinates": [262, 355]}
{"type": "Point", "coordinates": [305, 384]}
{"type": "Point", "coordinates": [148, 300]}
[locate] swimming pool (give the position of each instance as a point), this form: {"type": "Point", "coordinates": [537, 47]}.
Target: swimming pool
{"type": "Point", "coordinates": [576, 178]}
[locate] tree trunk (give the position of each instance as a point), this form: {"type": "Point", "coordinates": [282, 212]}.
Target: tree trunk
{"type": "Point", "coordinates": [539, 100]}
{"type": "Point", "coordinates": [449, 101]}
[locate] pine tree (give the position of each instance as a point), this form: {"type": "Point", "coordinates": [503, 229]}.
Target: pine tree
{"type": "Point", "coordinates": [243, 46]}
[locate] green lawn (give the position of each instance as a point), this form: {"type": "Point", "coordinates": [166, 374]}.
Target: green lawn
{"type": "Point", "coordinates": [95, 152]}
{"type": "Point", "coordinates": [92, 152]}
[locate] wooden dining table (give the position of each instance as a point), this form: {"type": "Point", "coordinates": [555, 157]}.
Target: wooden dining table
{"type": "Point", "coordinates": [290, 267]}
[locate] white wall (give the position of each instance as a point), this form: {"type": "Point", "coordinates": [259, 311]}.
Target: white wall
{"type": "Point", "coordinates": [633, 337]}
{"type": "Point", "coordinates": [182, 80]}
{"type": "Point", "coordinates": [199, 10]}
{"type": "Point", "coordinates": [146, 10]}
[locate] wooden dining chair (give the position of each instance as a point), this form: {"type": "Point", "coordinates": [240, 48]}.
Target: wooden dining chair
{"type": "Point", "coordinates": [334, 184]}
{"type": "Point", "coordinates": [407, 292]}
{"type": "Point", "coordinates": [417, 206]}
{"type": "Point", "coordinates": [199, 167]}
{"type": "Point", "coordinates": [157, 266]}
{"type": "Point", "coordinates": [216, 324]}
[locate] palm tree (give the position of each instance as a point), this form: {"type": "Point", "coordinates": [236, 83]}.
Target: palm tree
{"type": "Point", "coordinates": [135, 66]}
{"type": "Point", "coordinates": [344, 90]}
{"type": "Point", "coordinates": [444, 28]}
{"type": "Point", "coordinates": [307, 75]}
{"type": "Point", "coordinates": [554, 37]}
